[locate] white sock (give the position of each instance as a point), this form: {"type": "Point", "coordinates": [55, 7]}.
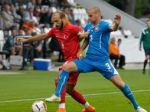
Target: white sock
{"type": "Point", "coordinates": [62, 105]}
{"type": "Point", "coordinates": [86, 104]}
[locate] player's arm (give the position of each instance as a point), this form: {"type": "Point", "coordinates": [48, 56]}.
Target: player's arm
{"type": "Point", "coordinates": [141, 40]}
{"type": "Point", "coordinates": [83, 35]}
{"type": "Point", "coordinates": [77, 30]}
{"type": "Point", "coordinates": [82, 48]}
{"type": "Point", "coordinates": [34, 38]}
{"type": "Point", "coordinates": [116, 23]}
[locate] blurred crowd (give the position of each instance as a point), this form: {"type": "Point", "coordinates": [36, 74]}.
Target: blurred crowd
{"type": "Point", "coordinates": [26, 18]}
{"type": "Point", "coordinates": [31, 17]}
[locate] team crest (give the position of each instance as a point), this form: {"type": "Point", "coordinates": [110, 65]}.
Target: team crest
{"type": "Point", "coordinates": [96, 28]}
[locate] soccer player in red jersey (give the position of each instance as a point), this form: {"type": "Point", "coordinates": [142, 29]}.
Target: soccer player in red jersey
{"type": "Point", "coordinates": [68, 36]}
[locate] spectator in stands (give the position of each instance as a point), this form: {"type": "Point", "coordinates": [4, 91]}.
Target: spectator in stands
{"type": "Point", "coordinates": [11, 44]}
{"type": "Point", "coordinates": [7, 16]}
{"type": "Point", "coordinates": [68, 12]}
{"type": "Point", "coordinates": [27, 48]}
{"type": "Point", "coordinates": [78, 22]}
{"type": "Point", "coordinates": [46, 15]}
{"type": "Point", "coordinates": [1, 22]}
{"type": "Point", "coordinates": [115, 53]}
{"type": "Point", "coordinates": [17, 18]}
{"type": "Point", "coordinates": [37, 12]}
{"type": "Point", "coordinates": [145, 40]}
{"type": "Point", "coordinates": [63, 3]}
{"type": "Point", "coordinates": [37, 48]}
{"type": "Point", "coordinates": [122, 61]}
{"type": "Point", "coordinates": [46, 2]}
{"type": "Point", "coordinates": [36, 2]}
{"type": "Point", "coordinates": [29, 20]}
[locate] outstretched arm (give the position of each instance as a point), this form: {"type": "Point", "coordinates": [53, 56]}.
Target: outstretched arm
{"type": "Point", "coordinates": [34, 38]}
{"type": "Point", "coordinates": [83, 35]}
{"type": "Point", "coordinates": [116, 23]}
{"type": "Point", "coordinates": [84, 45]}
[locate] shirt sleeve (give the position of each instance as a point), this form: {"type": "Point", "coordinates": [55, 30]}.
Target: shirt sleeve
{"type": "Point", "coordinates": [107, 26]}
{"type": "Point", "coordinates": [141, 39]}
{"type": "Point", "coordinates": [86, 28]}
{"type": "Point", "coordinates": [77, 29]}
{"type": "Point", "coordinates": [51, 32]}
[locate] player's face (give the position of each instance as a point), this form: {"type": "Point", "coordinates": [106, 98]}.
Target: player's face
{"type": "Point", "coordinates": [93, 16]}
{"type": "Point", "coordinates": [57, 21]}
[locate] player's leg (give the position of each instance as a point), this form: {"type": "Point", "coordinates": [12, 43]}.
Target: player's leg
{"type": "Point", "coordinates": [145, 63]}
{"type": "Point", "coordinates": [76, 95]}
{"type": "Point", "coordinates": [149, 64]}
{"type": "Point", "coordinates": [63, 78]}
{"type": "Point", "coordinates": [117, 81]}
{"type": "Point", "coordinates": [146, 59]}
{"type": "Point", "coordinates": [77, 65]}
{"type": "Point", "coordinates": [121, 61]}
{"type": "Point", "coordinates": [62, 106]}
{"type": "Point", "coordinates": [82, 65]}
{"type": "Point", "coordinates": [70, 67]}
{"type": "Point", "coordinates": [109, 72]}
{"type": "Point", "coordinates": [149, 59]}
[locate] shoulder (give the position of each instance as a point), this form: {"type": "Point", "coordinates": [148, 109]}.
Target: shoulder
{"type": "Point", "coordinates": [144, 30]}
{"type": "Point", "coordinates": [53, 29]}
{"type": "Point", "coordinates": [88, 26]}
{"type": "Point", "coordinates": [106, 23]}
{"type": "Point", "coordinates": [73, 26]}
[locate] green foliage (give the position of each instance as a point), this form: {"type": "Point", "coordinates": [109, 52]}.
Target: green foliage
{"type": "Point", "coordinates": [142, 7]}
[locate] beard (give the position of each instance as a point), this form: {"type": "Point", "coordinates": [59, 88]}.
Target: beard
{"type": "Point", "coordinates": [61, 26]}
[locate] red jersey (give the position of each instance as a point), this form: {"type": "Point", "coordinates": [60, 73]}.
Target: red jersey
{"type": "Point", "coordinates": [68, 39]}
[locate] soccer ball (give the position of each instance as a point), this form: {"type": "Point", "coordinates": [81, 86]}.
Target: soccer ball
{"type": "Point", "coordinates": [39, 106]}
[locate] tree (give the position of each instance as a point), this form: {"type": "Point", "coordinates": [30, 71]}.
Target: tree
{"type": "Point", "coordinates": [135, 8]}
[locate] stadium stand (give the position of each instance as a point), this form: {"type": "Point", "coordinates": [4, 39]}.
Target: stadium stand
{"type": "Point", "coordinates": [34, 18]}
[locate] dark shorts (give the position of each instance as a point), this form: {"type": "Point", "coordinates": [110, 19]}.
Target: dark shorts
{"type": "Point", "coordinates": [147, 51]}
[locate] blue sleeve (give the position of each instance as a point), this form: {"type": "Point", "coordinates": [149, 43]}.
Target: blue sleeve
{"type": "Point", "coordinates": [86, 27]}
{"type": "Point", "coordinates": [107, 26]}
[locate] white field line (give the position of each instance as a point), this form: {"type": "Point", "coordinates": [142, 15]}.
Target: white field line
{"type": "Point", "coordinates": [87, 95]}
{"type": "Point", "coordinates": [9, 73]}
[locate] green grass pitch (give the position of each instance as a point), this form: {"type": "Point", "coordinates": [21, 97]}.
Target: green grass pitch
{"type": "Point", "coordinates": [18, 91]}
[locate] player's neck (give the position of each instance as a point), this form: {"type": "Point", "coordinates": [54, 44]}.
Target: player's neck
{"type": "Point", "coordinates": [96, 22]}
{"type": "Point", "coordinates": [65, 22]}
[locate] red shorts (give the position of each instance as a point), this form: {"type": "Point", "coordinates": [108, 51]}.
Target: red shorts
{"type": "Point", "coordinates": [73, 77]}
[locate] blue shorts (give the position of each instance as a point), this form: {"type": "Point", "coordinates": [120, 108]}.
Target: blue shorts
{"type": "Point", "coordinates": [147, 51]}
{"type": "Point", "coordinates": [104, 67]}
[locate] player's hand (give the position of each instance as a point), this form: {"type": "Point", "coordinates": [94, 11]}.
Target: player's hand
{"type": "Point", "coordinates": [140, 49]}
{"type": "Point", "coordinates": [117, 19]}
{"type": "Point", "coordinates": [83, 34]}
{"type": "Point", "coordinates": [80, 54]}
{"type": "Point", "coordinates": [22, 40]}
